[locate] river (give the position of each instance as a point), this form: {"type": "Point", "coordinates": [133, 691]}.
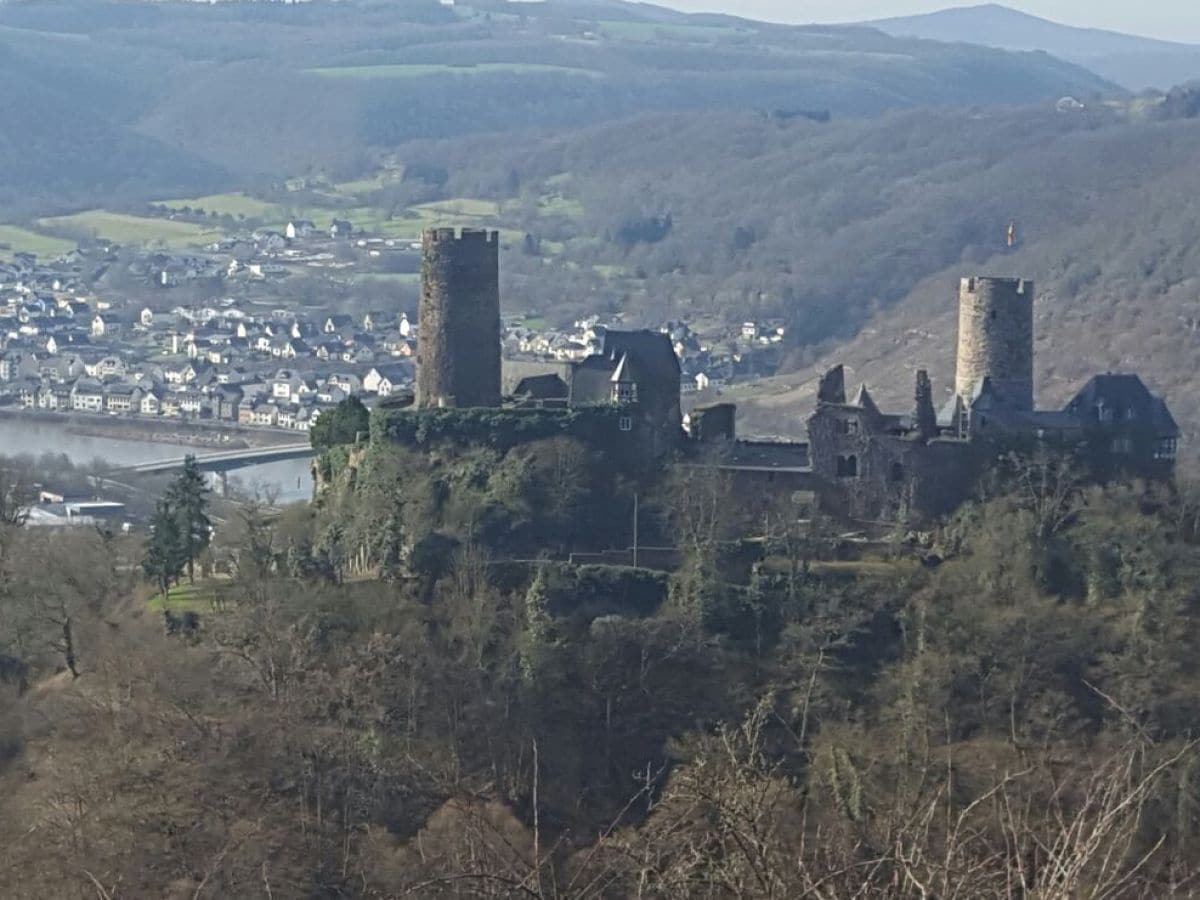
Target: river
{"type": "Point", "coordinates": [18, 436]}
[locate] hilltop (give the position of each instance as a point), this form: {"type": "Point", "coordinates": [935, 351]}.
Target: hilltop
{"type": "Point", "coordinates": [856, 232]}
{"type": "Point", "coordinates": [1135, 62]}
{"type": "Point", "coordinates": [235, 94]}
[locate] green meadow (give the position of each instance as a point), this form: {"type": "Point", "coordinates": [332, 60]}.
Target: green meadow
{"type": "Point", "coordinates": [127, 229]}
{"type": "Point", "coordinates": [21, 240]}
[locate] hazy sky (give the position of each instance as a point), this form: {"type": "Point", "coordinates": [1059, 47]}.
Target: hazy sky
{"type": "Point", "coordinates": [1170, 19]}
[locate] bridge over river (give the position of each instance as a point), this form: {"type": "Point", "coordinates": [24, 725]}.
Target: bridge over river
{"type": "Point", "coordinates": [225, 461]}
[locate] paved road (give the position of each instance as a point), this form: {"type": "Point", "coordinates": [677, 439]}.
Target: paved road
{"type": "Point", "coordinates": [226, 461]}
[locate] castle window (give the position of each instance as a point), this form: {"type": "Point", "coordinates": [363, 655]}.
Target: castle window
{"type": "Point", "coordinates": [1164, 450]}
{"type": "Point", "coordinates": [1122, 446]}
{"type": "Point", "coordinates": [625, 392]}
{"type": "Point", "coordinates": [847, 466]}
{"type": "Point", "coordinates": [625, 423]}
{"type": "Point", "coordinates": [847, 426]}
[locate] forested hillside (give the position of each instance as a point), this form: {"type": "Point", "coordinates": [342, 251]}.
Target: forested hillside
{"type": "Point", "coordinates": [134, 98]}
{"type": "Point", "coordinates": [1008, 711]}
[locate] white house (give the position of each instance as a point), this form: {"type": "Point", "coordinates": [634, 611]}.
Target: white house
{"type": "Point", "coordinates": [264, 414]}
{"type": "Point", "coordinates": [191, 402]}
{"type": "Point", "coordinates": [387, 380]}
{"type": "Point", "coordinates": [151, 404]}
{"type": "Point", "coordinates": [87, 396]}
{"type": "Point", "coordinates": [300, 228]}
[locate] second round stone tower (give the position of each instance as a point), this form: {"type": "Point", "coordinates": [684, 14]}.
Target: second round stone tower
{"type": "Point", "coordinates": [458, 343]}
{"type": "Point", "coordinates": [995, 339]}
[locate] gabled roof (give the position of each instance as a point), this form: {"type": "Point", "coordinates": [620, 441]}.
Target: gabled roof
{"type": "Point", "coordinates": [653, 350]}
{"type": "Point", "coordinates": [864, 400]}
{"type": "Point", "coordinates": [395, 371]}
{"type": "Point", "coordinates": [627, 370]}
{"type": "Point", "coordinates": [1129, 399]}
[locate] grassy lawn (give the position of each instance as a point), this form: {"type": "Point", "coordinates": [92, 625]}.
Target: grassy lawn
{"type": "Point", "coordinates": [122, 228]}
{"type": "Point", "coordinates": [184, 598]}
{"type": "Point", "coordinates": [365, 185]}
{"type": "Point", "coordinates": [20, 240]}
{"type": "Point", "coordinates": [423, 70]}
{"type": "Point", "coordinates": [230, 205]}
{"type": "Point", "coordinates": [460, 207]}
{"type": "Point", "coordinates": [125, 229]}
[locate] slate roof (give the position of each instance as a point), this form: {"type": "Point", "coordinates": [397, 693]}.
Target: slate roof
{"type": "Point", "coordinates": [591, 379]}
{"type": "Point", "coordinates": [653, 350]}
{"type": "Point", "coordinates": [1129, 399]}
{"type": "Point", "coordinates": [542, 387]}
{"type": "Point", "coordinates": [768, 455]}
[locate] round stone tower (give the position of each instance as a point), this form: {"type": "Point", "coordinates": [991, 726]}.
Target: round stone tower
{"type": "Point", "coordinates": [995, 339]}
{"type": "Point", "coordinates": [458, 343]}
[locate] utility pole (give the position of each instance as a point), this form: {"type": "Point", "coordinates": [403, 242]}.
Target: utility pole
{"type": "Point", "coordinates": [635, 529]}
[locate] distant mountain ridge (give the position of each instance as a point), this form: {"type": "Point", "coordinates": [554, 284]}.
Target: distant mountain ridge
{"type": "Point", "coordinates": [1132, 61]}
{"type": "Point", "coordinates": [258, 89]}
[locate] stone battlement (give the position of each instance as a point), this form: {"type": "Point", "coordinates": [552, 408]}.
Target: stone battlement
{"type": "Point", "coordinates": [982, 284]}
{"type": "Point", "coordinates": [461, 236]}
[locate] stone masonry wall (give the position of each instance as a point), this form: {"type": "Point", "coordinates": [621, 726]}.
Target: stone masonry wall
{"type": "Point", "coordinates": [869, 474]}
{"type": "Point", "coordinates": [995, 338]}
{"type": "Point", "coordinates": [458, 353]}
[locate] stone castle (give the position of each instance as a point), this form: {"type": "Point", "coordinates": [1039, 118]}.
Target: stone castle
{"type": "Point", "coordinates": [458, 352]}
{"type": "Point", "coordinates": [925, 462]}
{"type": "Point", "coordinates": [861, 461]}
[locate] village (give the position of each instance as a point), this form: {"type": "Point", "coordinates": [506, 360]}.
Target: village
{"type": "Point", "coordinates": [236, 351]}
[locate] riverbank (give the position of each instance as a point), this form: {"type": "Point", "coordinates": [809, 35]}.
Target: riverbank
{"type": "Point", "coordinates": [202, 433]}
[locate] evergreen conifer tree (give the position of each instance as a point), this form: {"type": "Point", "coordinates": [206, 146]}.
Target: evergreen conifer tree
{"type": "Point", "coordinates": [164, 559]}
{"type": "Point", "coordinates": [188, 497]}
